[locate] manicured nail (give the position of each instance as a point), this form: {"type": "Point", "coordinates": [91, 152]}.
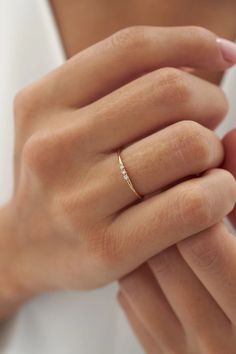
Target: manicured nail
{"type": "Point", "coordinates": [228, 50]}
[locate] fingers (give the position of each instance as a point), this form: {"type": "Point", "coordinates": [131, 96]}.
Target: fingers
{"type": "Point", "coordinates": [149, 344]}
{"type": "Point", "coordinates": [199, 314]}
{"type": "Point", "coordinates": [165, 219]}
{"type": "Point", "coordinates": [229, 143]}
{"type": "Point", "coordinates": [180, 150]}
{"type": "Point", "coordinates": [155, 162]}
{"type": "Point", "coordinates": [202, 325]}
{"type": "Point", "coordinates": [150, 103]}
{"type": "Point", "coordinates": [100, 69]}
{"type": "Point", "coordinates": [212, 257]}
{"type": "Point", "coordinates": [152, 309]}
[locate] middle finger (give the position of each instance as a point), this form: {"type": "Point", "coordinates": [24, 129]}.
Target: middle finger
{"type": "Point", "coordinates": [148, 104]}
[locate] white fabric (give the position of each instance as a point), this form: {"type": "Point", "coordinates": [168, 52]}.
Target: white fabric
{"type": "Point", "coordinates": [62, 323]}
{"type": "Point", "coordinates": [66, 322]}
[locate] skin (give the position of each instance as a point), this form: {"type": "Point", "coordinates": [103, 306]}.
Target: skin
{"type": "Point", "coordinates": [52, 160]}
{"type": "Point", "coordinates": [85, 22]}
{"type": "Point", "coordinates": [191, 286]}
{"type": "Point", "coordinates": [53, 200]}
{"type": "Point", "coordinates": [201, 257]}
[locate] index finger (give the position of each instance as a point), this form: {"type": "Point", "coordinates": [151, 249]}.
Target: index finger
{"type": "Point", "coordinates": [129, 53]}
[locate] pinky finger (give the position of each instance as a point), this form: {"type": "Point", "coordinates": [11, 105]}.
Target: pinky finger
{"type": "Point", "coordinates": [145, 338]}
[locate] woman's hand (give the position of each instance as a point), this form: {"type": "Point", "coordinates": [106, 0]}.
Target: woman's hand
{"type": "Point", "coordinates": [75, 224]}
{"type": "Point", "coordinates": [183, 300]}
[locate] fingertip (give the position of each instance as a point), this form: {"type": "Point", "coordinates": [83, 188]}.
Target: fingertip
{"type": "Point", "coordinates": [228, 51]}
{"type": "Point", "coordinates": [230, 135]}
{"type": "Point", "coordinates": [229, 143]}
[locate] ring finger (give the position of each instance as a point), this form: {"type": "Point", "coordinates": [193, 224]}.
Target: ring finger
{"type": "Point", "coordinates": [165, 219]}
{"type": "Point", "coordinates": [153, 163]}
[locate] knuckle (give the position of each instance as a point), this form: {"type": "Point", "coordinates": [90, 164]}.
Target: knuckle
{"type": "Point", "coordinates": [22, 99]}
{"type": "Point", "coordinates": [223, 105]}
{"type": "Point", "coordinates": [218, 109]}
{"type": "Point", "coordinates": [129, 38]}
{"type": "Point", "coordinates": [230, 177]}
{"type": "Point", "coordinates": [171, 86]}
{"type": "Point", "coordinates": [204, 248]}
{"type": "Point", "coordinates": [192, 141]}
{"type": "Point", "coordinates": [200, 35]}
{"type": "Point", "coordinates": [26, 104]}
{"type": "Point", "coordinates": [231, 182]}
{"type": "Point", "coordinates": [37, 154]}
{"type": "Point", "coordinates": [195, 206]}
{"type": "Point", "coordinates": [229, 196]}
{"type": "Point", "coordinates": [49, 154]}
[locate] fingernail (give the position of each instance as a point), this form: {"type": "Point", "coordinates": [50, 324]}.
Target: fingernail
{"type": "Point", "coordinates": [228, 50]}
{"type": "Point", "coordinates": [187, 69]}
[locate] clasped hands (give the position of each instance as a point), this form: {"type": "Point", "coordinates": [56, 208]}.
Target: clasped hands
{"type": "Point", "coordinates": [74, 224]}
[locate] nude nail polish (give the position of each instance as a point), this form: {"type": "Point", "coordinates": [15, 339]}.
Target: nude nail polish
{"type": "Point", "coordinates": [228, 50]}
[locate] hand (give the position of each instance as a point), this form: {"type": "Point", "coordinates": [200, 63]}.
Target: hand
{"type": "Point", "coordinates": [229, 143]}
{"type": "Point", "coordinates": [183, 300]}
{"type": "Point", "coordinates": [187, 294]}
{"type": "Point", "coordinates": [75, 224]}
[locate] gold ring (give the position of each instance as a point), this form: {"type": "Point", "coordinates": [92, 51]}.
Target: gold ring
{"type": "Point", "coordinates": [125, 175]}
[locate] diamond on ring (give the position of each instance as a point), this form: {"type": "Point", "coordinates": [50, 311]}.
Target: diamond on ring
{"type": "Point", "coordinates": [125, 175]}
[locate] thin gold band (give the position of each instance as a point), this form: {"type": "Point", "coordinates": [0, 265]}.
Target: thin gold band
{"type": "Point", "coordinates": [125, 175]}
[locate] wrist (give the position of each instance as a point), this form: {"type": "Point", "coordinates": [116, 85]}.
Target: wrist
{"type": "Point", "coordinates": [13, 292]}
